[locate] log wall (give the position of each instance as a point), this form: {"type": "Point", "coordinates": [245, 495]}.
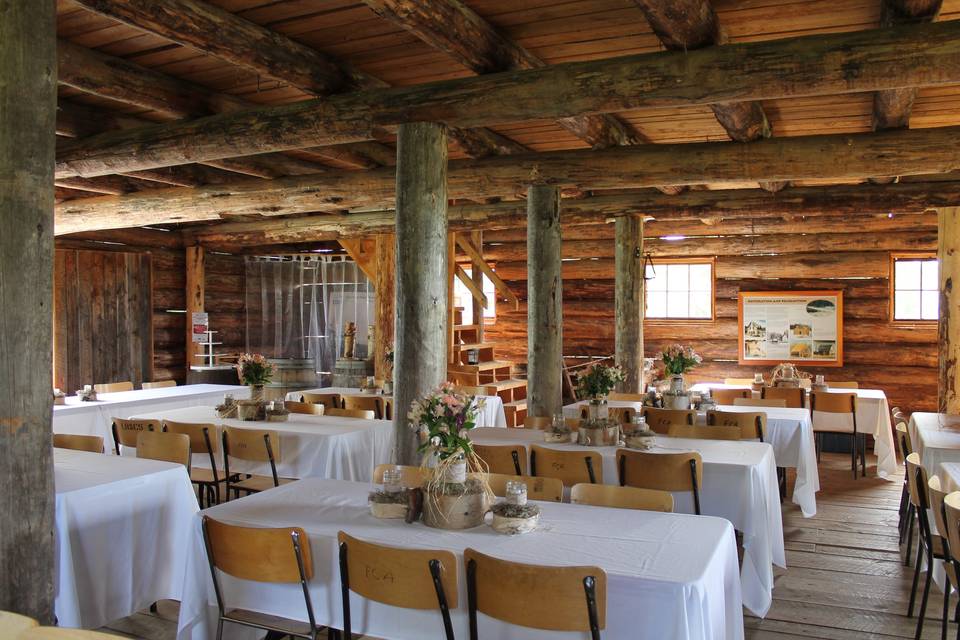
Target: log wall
{"type": "Point", "coordinates": [899, 358]}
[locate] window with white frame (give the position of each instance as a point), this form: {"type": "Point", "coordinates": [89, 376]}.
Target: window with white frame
{"type": "Point", "coordinates": [463, 298]}
{"type": "Point", "coordinates": [915, 288]}
{"type": "Point", "coordinates": [680, 290]}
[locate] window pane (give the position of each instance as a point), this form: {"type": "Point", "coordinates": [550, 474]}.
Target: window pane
{"type": "Point", "coordinates": [907, 274]}
{"type": "Point", "coordinates": [656, 304]}
{"type": "Point", "coordinates": [906, 305]}
{"type": "Point", "coordinates": [700, 304]}
{"type": "Point", "coordinates": [678, 277]}
{"type": "Point", "coordinates": [700, 279]}
{"type": "Point", "coordinates": [929, 304]}
{"type": "Point", "coordinates": [678, 304]}
{"type": "Point", "coordinates": [930, 279]}
{"type": "Point", "coordinates": [658, 275]}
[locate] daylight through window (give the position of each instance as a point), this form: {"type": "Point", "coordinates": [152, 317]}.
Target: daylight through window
{"type": "Point", "coordinates": [680, 290]}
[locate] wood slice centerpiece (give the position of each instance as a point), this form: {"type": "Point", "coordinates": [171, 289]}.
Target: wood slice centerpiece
{"type": "Point", "coordinates": [599, 433]}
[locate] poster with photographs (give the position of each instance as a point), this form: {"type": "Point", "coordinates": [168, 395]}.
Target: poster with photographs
{"type": "Point", "coordinates": [803, 327]}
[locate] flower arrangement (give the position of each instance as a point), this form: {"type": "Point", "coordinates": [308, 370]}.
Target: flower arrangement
{"type": "Point", "coordinates": [599, 381]}
{"type": "Point", "coordinates": [253, 369]}
{"type": "Point", "coordinates": [678, 359]}
{"type": "Point", "coordinates": [442, 418]}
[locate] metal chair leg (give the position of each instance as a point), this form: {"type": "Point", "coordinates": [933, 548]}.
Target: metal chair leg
{"type": "Point", "coordinates": [926, 594]}
{"type": "Point", "coordinates": [946, 610]}
{"type": "Point", "coordinates": [916, 581]}
{"type": "Point", "coordinates": [911, 516]}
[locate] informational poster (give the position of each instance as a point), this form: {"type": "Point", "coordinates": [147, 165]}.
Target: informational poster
{"type": "Point", "coordinates": [802, 327]}
{"type": "Point", "coordinates": [201, 323]}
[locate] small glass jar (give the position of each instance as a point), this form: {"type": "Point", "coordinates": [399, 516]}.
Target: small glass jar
{"type": "Point", "coordinates": [392, 481]}
{"type": "Point", "coordinates": [558, 422]}
{"type": "Point", "coordinates": [228, 398]}
{"type": "Point", "coordinates": [516, 493]}
{"type": "Point", "coordinates": [639, 422]}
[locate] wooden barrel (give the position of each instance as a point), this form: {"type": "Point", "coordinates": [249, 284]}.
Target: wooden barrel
{"type": "Point", "coordinates": [350, 372]}
{"type": "Point", "coordinates": [291, 374]}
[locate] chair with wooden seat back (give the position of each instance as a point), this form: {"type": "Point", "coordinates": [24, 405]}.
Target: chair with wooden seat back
{"type": "Point", "coordinates": [704, 432]}
{"type": "Point", "coordinates": [363, 414]}
{"type": "Point", "coordinates": [92, 444]}
{"type": "Point", "coordinates": [537, 422]}
{"type": "Point", "coordinates": [168, 447]}
{"type": "Point", "coordinates": [251, 445]}
{"type": "Point", "coordinates": [752, 424]}
{"type": "Point", "coordinates": [160, 384]}
{"type": "Point", "coordinates": [328, 400]}
{"type": "Point", "coordinates": [570, 467]}
{"type": "Point", "coordinates": [419, 578]}
{"type": "Point", "coordinates": [682, 471]}
{"type": "Point", "coordinates": [60, 633]}
{"type": "Point", "coordinates": [573, 423]}
{"type": "Point", "coordinates": [546, 489]}
{"type": "Point", "coordinates": [935, 499]}
{"type": "Point", "coordinates": [305, 408]}
{"type": "Point", "coordinates": [204, 439]}
{"type": "Point", "coordinates": [364, 403]}
{"type": "Point", "coordinates": [842, 384]}
{"type": "Point", "coordinates": [508, 459]}
{"type": "Point", "coordinates": [951, 516]}
{"type": "Point", "coordinates": [113, 387]}
{"type": "Point", "coordinates": [605, 495]}
{"type": "Point", "coordinates": [795, 397]}
{"type": "Point", "coordinates": [660, 420]}
{"type": "Point", "coordinates": [826, 402]}
{"type": "Point", "coordinates": [906, 512]}
{"type": "Point", "coordinates": [745, 382]}
{"type": "Point", "coordinates": [760, 402]}
{"type": "Point", "coordinates": [628, 397]}
{"type": "Point", "coordinates": [410, 476]}
{"type": "Point", "coordinates": [727, 396]}
{"type": "Point", "coordinates": [15, 623]}
{"type": "Point", "coordinates": [550, 598]}
{"type": "Point", "coordinates": [623, 415]}
{"type": "Point", "coordinates": [125, 431]}
{"type": "Point", "coordinates": [276, 555]}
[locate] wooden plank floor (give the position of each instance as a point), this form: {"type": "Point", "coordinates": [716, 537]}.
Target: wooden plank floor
{"type": "Point", "coordinates": [846, 578]}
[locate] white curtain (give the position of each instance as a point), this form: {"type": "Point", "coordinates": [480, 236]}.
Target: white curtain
{"type": "Point", "coordinates": [298, 307]}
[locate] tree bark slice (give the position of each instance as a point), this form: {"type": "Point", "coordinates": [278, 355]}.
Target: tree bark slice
{"type": "Point", "coordinates": [544, 302]}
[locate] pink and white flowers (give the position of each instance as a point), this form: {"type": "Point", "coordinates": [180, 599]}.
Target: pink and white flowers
{"type": "Point", "coordinates": [678, 359]}
{"type": "Point", "coordinates": [443, 418]}
{"type": "Point", "coordinates": [253, 369]}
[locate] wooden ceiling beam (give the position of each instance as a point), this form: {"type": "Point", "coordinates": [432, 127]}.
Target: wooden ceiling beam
{"type": "Point", "coordinates": [833, 157]}
{"type": "Point", "coordinates": [825, 64]}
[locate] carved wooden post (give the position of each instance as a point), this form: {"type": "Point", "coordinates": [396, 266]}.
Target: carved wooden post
{"type": "Point", "coordinates": [629, 301]}
{"type": "Point", "coordinates": [421, 340]}
{"type": "Point", "coordinates": [28, 96]}
{"type": "Point", "coordinates": [544, 302]}
{"type": "Point", "coordinates": [948, 253]}
{"type": "Point", "coordinates": [385, 311]}
{"type": "Point", "coordinates": [195, 291]}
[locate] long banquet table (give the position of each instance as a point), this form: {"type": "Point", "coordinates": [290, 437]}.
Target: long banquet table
{"type": "Point", "coordinates": [936, 438]}
{"type": "Point", "coordinates": [739, 484]}
{"type": "Point", "coordinates": [95, 418]}
{"type": "Point", "coordinates": [491, 411]}
{"type": "Point", "coordinates": [789, 432]}
{"type": "Point", "coordinates": [309, 446]}
{"type": "Point", "coordinates": [122, 535]}
{"type": "Point", "coordinates": [668, 575]}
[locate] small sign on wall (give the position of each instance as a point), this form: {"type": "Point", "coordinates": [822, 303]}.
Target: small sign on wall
{"type": "Point", "coordinates": [201, 324]}
{"type": "Point", "coordinates": [802, 327]}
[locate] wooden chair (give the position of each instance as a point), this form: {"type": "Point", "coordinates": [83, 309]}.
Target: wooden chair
{"type": "Point", "coordinates": [573, 423]}
{"type": "Point", "coordinates": [252, 445]}
{"type": "Point", "coordinates": [125, 431]}
{"type": "Point", "coordinates": [936, 499]}
{"type": "Point", "coordinates": [951, 516]}
{"type": "Point", "coordinates": [204, 438]}
{"type": "Point", "coordinates": [508, 459]}
{"type": "Point", "coordinates": [842, 384]}
{"type": "Point", "coordinates": [839, 404]}
{"type": "Point", "coordinates": [539, 597]}
{"type": "Point", "coordinates": [623, 415]}
{"type": "Point", "coordinates": [752, 425]}
{"type": "Point", "coordinates": [305, 408]}
{"type": "Point", "coordinates": [419, 578]}
{"type": "Point", "coordinates": [277, 556]}
{"type": "Point", "coordinates": [93, 444]}
{"type": "Point", "coordinates": [410, 476]}
{"type": "Point", "coordinates": [930, 545]}
{"type": "Point", "coordinates": [704, 433]}
{"type": "Point", "coordinates": [168, 447]}
{"type": "Point", "coordinates": [795, 397]}
{"type": "Point", "coordinates": [328, 400]}
{"type": "Point", "coordinates": [760, 402]}
{"type": "Point", "coordinates": [162, 384]}
{"type": "Point", "coordinates": [660, 420]}
{"type": "Point", "coordinates": [605, 495]}
{"type": "Point", "coordinates": [727, 396]}
{"type": "Point", "coordinates": [739, 381]}
{"type": "Point", "coordinates": [364, 403]}
{"type": "Point", "coordinates": [537, 422]}
{"type": "Point", "coordinates": [364, 414]}
{"type": "Point", "coordinates": [546, 489]}
{"type": "Point", "coordinates": [113, 387]}
{"type": "Point", "coordinates": [570, 467]}
{"type": "Point", "coordinates": [906, 512]}
{"type": "Point", "coordinates": [61, 633]}
{"type": "Point", "coordinates": [682, 471]}
{"type": "Point", "coordinates": [15, 623]}
{"type": "Point", "coordinates": [629, 397]}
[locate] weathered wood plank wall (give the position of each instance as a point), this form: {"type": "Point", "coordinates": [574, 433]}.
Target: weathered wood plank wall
{"type": "Point", "coordinates": [852, 257]}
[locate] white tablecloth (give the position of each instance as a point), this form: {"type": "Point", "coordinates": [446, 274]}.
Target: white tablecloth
{"type": "Point", "coordinates": [491, 414]}
{"type": "Point", "coordinates": [739, 484]}
{"type": "Point", "coordinates": [95, 418]}
{"type": "Point", "coordinates": [789, 432]}
{"type": "Point", "coordinates": [123, 529]}
{"type": "Point", "coordinates": [936, 438]}
{"type": "Point", "coordinates": [309, 447]}
{"type": "Point", "coordinates": [668, 575]}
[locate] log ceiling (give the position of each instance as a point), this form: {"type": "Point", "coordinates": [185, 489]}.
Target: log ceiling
{"type": "Point", "coordinates": [223, 112]}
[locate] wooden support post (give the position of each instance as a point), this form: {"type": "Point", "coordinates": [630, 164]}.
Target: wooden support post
{"type": "Point", "coordinates": [385, 311]}
{"type": "Point", "coordinates": [544, 302]}
{"type": "Point", "coordinates": [476, 239]}
{"type": "Point", "coordinates": [422, 274]}
{"type": "Point", "coordinates": [948, 253]}
{"type": "Point", "coordinates": [629, 301]}
{"type": "Point", "coordinates": [28, 96]}
{"type": "Point", "coordinates": [451, 277]}
{"type": "Point", "coordinates": [194, 258]}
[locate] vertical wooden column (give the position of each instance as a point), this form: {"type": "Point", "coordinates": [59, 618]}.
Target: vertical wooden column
{"type": "Point", "coordinates": [948, 253]}
{"type": "Point", "coordinates": [629, 301]}
{"type": "Point", "coordinates": [28, 95]}
{"type": "Point", "coordinates": [451, 276]}
{"type": "Point", "coordinates": [194, 258]}
{"type": "Point", "coordinates": [385, 284]}
{"type": "Point", "coordinates": [544, 302]}
{"type": "Point", "coordinates": [476, 239]}
{"type": "Point", "coordinates": [422, 274]}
